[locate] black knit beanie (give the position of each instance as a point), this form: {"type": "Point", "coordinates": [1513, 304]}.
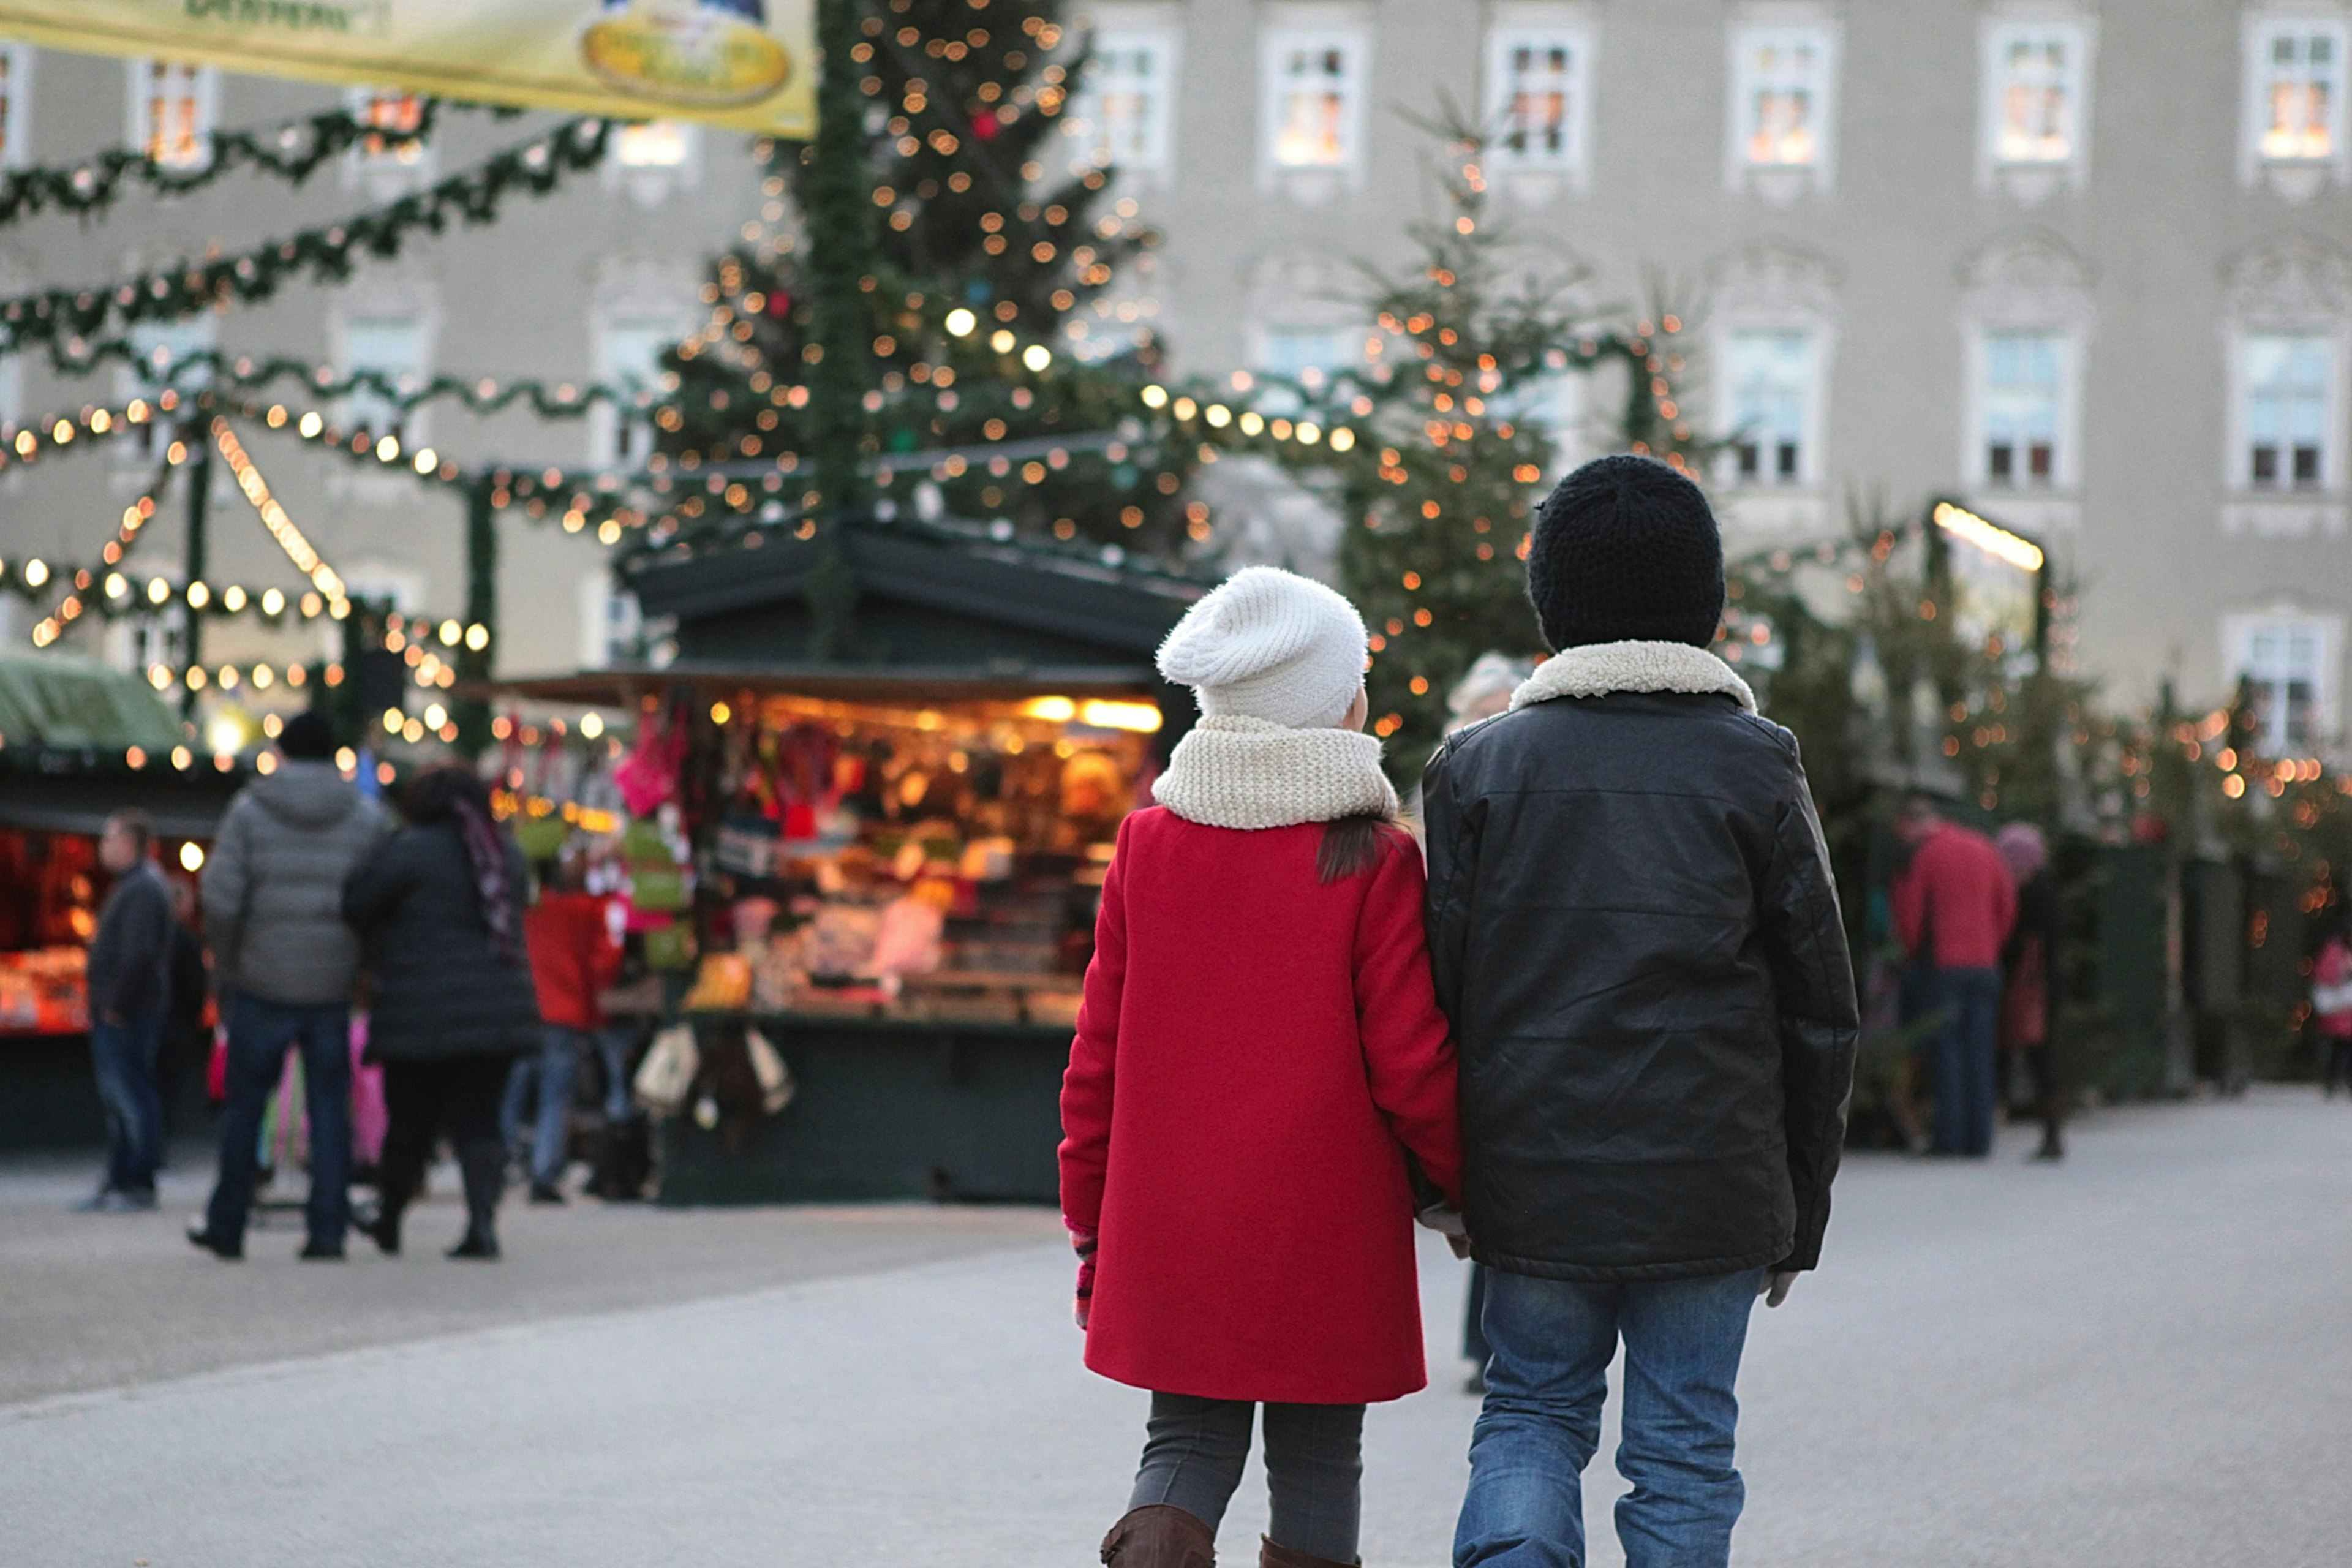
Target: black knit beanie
{"type": "Point", "coordinates": [1626, 551]}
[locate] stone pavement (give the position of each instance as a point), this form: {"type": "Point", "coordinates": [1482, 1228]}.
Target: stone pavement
{"type": "Point", "coordinates": [2139, 1358]}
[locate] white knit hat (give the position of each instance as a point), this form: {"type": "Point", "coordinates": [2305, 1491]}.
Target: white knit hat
{"type": "Point", "coordinates": [1268, 644]}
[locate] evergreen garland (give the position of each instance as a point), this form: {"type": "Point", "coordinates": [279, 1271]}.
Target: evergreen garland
{"type": "Point", "coordinates": [291, 152]}
{"type": "Point", "coordinates": [62, 320]}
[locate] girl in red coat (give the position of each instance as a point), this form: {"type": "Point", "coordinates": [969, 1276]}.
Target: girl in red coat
{"type": "Point", "coordinates": [1259, 1053]}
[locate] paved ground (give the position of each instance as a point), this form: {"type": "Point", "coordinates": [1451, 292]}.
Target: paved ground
{"type": "Point", "coordinates": [2140, 1358]}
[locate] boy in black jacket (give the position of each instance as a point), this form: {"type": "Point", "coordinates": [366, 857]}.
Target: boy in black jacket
{"type": "Point", "coordinates": [1633, 927]}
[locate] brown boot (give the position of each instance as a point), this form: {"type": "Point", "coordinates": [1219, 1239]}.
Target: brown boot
{"type": "Point", "coordinates": [1269, 1555]}
{"type": "Point", "coordinates": [1160, 1536]}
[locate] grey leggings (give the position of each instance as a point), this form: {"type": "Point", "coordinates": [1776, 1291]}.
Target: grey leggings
{"type": "Point", "coordinates": [1193, 1450]}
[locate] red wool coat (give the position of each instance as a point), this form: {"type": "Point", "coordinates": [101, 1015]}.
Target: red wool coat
{"type": "Point", "coordinates": [573, 956]}
{"type": "Point", "coordinates": [1256, 1053]}
{"type": "Point", "coordinates": [1958, 896]}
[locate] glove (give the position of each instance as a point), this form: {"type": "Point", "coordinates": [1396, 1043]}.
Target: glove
{"type": "Point", "coordinates": [1084, 1242]}
{"type": "Point", "coordinates": [1775, 1288]}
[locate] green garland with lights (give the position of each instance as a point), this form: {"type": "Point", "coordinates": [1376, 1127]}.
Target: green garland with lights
{"type": "Point", "coordinates": [292, 153]}
{"type": "Point", "coordinates": [63, 320]}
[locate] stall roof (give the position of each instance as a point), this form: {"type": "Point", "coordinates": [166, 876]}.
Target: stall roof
{"type": "Point", "coordinates": [56, 699]}
{"type": "Point", "coordinates": [180, 804]}
{"type": "Point", "coordinates": [933, 600]}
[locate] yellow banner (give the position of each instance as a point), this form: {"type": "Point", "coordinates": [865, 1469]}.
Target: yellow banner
{"type": "Point", "coordinates": [749, 64]}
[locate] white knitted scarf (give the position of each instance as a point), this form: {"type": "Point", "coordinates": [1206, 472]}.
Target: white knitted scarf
{"type": "Point", "coordinates": [1600, 669]}
{"type": "Point", "coordinates": [1236, 771]}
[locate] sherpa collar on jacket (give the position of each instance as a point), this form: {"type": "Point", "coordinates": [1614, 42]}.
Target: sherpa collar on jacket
{"type": "Point", "coordinates": [1235, 771]}
{"type": "Point", "coordinates": [1599, 669]}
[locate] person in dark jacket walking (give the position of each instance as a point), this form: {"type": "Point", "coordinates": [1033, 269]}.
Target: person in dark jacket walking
{"type": "Point", "coordinates": [273, 897]}
{"type": "Point", "coordinates": [438, 908]}
{"type": "Point", "coordinates": [129, 984]}
{"type": "Point", "coordinates": [1633, 928]}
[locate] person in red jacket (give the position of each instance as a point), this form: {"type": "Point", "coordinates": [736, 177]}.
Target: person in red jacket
{"type": "Point", "coordinates": [1260, 1061]}
{"type": "Point", "coordinates": [575, 953]}
{"type": "Point", "coordinates": [1954, 906]}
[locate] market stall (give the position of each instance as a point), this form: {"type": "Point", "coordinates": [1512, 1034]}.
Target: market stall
{"type": "Point", "coordinates": [886, 865]}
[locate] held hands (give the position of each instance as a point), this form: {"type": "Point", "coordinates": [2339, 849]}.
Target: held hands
{"type": "Point", "coordinates": [1774, 1287]}
{"type": "Point", "coordinates": [1084, 1242]}
{"type": "Point", "coordinates": [1446, 1221]}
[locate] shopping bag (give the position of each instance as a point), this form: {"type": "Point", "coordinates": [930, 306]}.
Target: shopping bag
{"type": "Point", "coordinates": [666, 1077]}
{"type": "Point", "coordinates": [776, 1084]}
{"type": "Point", "coordinates": [216, 1066]}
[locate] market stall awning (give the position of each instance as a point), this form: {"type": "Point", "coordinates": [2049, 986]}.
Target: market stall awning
{"type": "Point", "coordinates": [930, 599]}
{"type": "Point", "coordinates": [57, 701]}
{"type": "Point", "coordinates": [180, 804]}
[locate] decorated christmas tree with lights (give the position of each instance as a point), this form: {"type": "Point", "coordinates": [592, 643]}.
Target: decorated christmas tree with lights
{"type": "Point", "coordinates": [1453, 435]}
{"type": "Point", "coordinates": [979, 344]}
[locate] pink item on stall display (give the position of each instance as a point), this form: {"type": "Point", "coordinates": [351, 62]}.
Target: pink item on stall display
{"type": "Point", "coordinates": [369, 1116]}
{"type": "Point", "coordinates": [648, 775]}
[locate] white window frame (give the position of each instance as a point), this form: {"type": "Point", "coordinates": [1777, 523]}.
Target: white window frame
{"type": "Point", "coordinates": [410, 427]}
{"type": "Point", "coordinates": [1574, 159]}
{"type": "Point", "coordinates": [412, 161]}
{"type": "Point", "coordinates": [2031, 179]}
{"type": "Point", "coordinates": [1743, 40]}
{"type": "Point", "coordinates": [2238, 457]}
{"type": "Point", "coordinates": [607, 423]}
{"type": "Point", "coordinates": [1274, 44]}
{"type": "Point", "coordinates": [648, 184]}
{"type": "Point", "coordinates": [2066, 441]}
{"type": "Point", "coordinates": [17, 106]}
{"type": "Point", "coordinates": [199, 333]}
{"type": "Point", "coordinates": [2261, 30]}
{"type": "Point", "coordinates": [204, 83]}
{"type": "Point", "coordinates": [1156, 159]}
{"type": "Point", "coordinates": [1810, 467]}
{"type": "Point", "coordinates": [2238, 633]}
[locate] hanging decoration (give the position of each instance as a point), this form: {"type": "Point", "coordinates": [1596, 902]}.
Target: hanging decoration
{"type": "Point", "coordinates": [291, 152]}
{"type": "Point", "coordinates": [281, 527]}
{"type": "Point", "coordinates": [63, 320]}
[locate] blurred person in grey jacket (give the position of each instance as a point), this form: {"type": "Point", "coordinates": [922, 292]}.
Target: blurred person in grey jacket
{"type": "Point", "coordinates": [284, 961]}
{"type": "Point", "coordinates": [128, 968]}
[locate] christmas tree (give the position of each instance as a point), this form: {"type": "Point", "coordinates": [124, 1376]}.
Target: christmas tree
{"type": "Point", "coordinates": [986, 250]}
{"type": "Point", "coordinates": [1445, 438]}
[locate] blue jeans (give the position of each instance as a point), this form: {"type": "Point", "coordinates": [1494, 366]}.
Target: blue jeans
{"type": "Point", "coordinates": [124, 1057]}
{"type": "Point", "coordinates": [614, 1042]}
{"type": "Point", "coordinates": [1963, 1067]}
{"type": "Point", "coordinates": [557, 1064]}
{"type": "Point", "coordinates": [1550, 1342]}
{"type": "Point", "coordinates": [259, 1035]}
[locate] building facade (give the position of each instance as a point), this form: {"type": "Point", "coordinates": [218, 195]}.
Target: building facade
{"type": "Point", "coordinates": [2086, 265]}
{"type": "Point", "coordinates": [584, 284]}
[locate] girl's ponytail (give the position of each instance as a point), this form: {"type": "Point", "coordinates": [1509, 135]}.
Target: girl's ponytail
{"type": "Point", "coordinates": [1352, 844]}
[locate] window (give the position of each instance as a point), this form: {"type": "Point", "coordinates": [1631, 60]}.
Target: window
{"type": "Point", "coordinates": [2285, 665]}
{"type": "Point", "coordinates": [171, 113]}
{"type": "Point", "coordinates": [2302, 81]}
{"type": "Point", "coordinates": [2290, 379]}
{"type": "Point", "coordinates": [1771, 375]}
{"type": "Point", "coordinates": [1536, 100]}
{"type": "Point", "coordinates": [1780, 109]}
{"type": "Point", "coordinates": [15, 105]}
{"type": "Point", "coordinates": [393, 347]}
{"type": "Point", "coordinates": [1314, 99]}
{"type": "Point", "coordinates": [2035, 93]}
{"type": "Point", "coordinates": [629, 354]}
{"type": "Point", "coordinates": [392, 114]}
{"type": "Point", "coordinates": [655, 144]}
{"type": "Point", "coordinates": [1129, 88]}
{"type": "Point", "coordinates": [163, 350]}
{"type": "Point", "coordinates": [2024, 396]}
{"type": "Point", "coordinates": [1305, 353]}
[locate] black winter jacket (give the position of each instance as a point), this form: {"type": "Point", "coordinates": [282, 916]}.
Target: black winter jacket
{"type": "Point", "coordinates": [439, 988]}
{"type": "Point", "coordinates": [1633, 928]}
